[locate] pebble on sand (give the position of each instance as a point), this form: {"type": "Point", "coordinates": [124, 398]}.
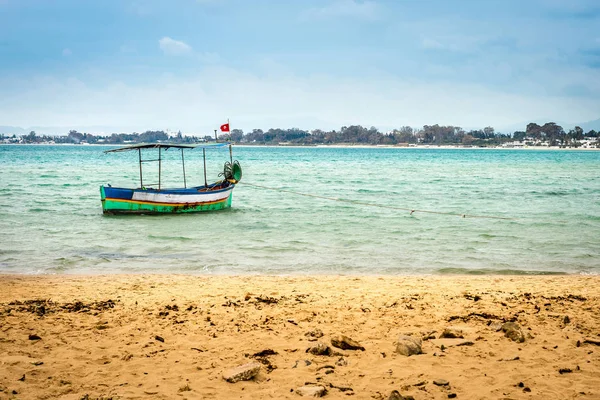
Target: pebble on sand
{"type": "Point", "coordinates": [346, 343]}
{"type": "Point", "coordinates": [395, 395]}
{"type": "Point", "coordinates": [242, 373]}
{"type": "Point", "coordinates": [311, 391]}
{"type": "Point", "coordinates": [513, 331]}
{"type": "Point", "coordinates": [320, 349]}
{"type": "Point", "coordinates": [409, 345]}
{"type": "Point", "coordinates": [314, 334]}
{"type": "Point", "coordinates": [452, 333]}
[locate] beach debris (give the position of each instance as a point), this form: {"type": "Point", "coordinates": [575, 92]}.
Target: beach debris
{"type": "Point", "coordinates": [566, 320]}
{"type": "Point", "coordinates": [495, 326]}
{"type": "Point", "coordinates": [342, 388]}
{"type": "Point", "coordinates": [265, 353]}
{"type": "Point", "coordinates": [560, 371]}
{"type": "Point", "coordinates": [320, 349]}
{"type": "Point", "coordinates": [34, 337]}
{"type": "Point", "coordinates": [441, 382]}
{"type": "Point", "coordinates": [465, 343]}
{"type": "Point", "coordinates": [469, 316]}
{"type": "Point", "coordinates": [159, 338]}
{"type": "Point", "coordinates": [311, 391]}
{"type": "Point", "coordinates": [451, 333]}
{"type": "Point", "coordinates": [341, 362]}
{"type": "Point", "coordinates": [261, 357]}
{"type": "Point", "coordinates": [451, 395]}
{"type": "Point", "coordinates": [185, 388]}
{"type": "Point", "coordinates": [22, 379]}
{"type": "Point", "coordinates": [300, 362]}
{"type": "Point", "coordinates": [314, 334]}
{"type": "Point", "coordinates": [471, 297]}
{"type": "Point", "coordinates": [242, 373]}
{"type": "Point", "coordinates": [267, 299]}
{"type": "Point", "coordinates": [102, 325]}
{"type": "Point", "coordinates": [591, 341]}
{"type": "Point", "coordinates": [513, 331]}
{"type": "Point", "coordinates": [346, 343]}
{"type": "Point", "coordinates": [42, 307]}
{"type": "Point", "coordinates": [395, 395]}
{"type": "Point", "coordinates": [517, 358]}
{"type": "Point", "coordinates": [428, 335]}
{"type": "Point", "coordinates": [409, 345]}
{"type": "Point", "coordinates": [329, 369]}
{"type": "Point", "coordinates": [443, 344]}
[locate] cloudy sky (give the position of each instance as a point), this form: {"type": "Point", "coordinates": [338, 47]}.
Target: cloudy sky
{"type": "Point", "coordinates": [192, 64]}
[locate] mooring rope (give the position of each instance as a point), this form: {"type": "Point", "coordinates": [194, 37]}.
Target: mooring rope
{"type": "Point", "coordinates": [362, 203]}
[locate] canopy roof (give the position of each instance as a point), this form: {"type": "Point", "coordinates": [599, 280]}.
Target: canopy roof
{"type": "Point", "coordinates": [166, 146]}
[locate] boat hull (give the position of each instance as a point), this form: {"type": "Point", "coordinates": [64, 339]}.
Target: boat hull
{"type": "Point", "coordinates": [167, 201]}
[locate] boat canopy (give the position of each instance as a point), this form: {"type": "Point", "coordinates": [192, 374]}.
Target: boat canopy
{"type": "Point", "coordinates": [166, 146]}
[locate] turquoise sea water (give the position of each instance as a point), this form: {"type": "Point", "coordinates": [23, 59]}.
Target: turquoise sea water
{"type": "Point", "coordinates": [51, 219]}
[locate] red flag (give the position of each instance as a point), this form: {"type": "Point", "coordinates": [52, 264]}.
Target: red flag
{"type": "Point", "coordinates": [225, 127]}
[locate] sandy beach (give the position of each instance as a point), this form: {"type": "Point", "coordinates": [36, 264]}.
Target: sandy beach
{"type": "Point", "coordinates": [177, 336]}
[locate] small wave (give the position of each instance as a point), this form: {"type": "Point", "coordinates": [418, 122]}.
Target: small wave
{"type": "Point", "coordinates": [490, 271]}
{"type": "Point", "coordinates": [372, 191]}
{"type": "Point", "coordinates": [181, 238]}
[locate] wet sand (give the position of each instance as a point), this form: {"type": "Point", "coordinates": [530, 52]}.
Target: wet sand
{"type": "Point", "coordinates": [175, 336]}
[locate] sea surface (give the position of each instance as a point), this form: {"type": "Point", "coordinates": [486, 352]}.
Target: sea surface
{"type": "Point", "coordinates": [51, 220]}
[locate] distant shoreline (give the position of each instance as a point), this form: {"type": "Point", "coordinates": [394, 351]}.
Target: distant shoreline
{"type": "Point", "coordinates": [343, 146]}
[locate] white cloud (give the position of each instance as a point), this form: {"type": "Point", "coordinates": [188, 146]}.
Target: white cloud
{"type": "Point", "coordinates": [197, 103]}
{"type": "Point", "coordinates": [174, 47]}
{"type": "Point", "coordinates": [67, 52]}
{"type": "Point", "coordinates": [345, 8]}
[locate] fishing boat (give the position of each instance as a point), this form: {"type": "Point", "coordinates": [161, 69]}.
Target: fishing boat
{"type": "Point", "coordinates": [154, 199]}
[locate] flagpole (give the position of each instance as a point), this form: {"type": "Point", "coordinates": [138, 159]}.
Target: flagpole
{"type": "Point", "coordinates": [230, 153]}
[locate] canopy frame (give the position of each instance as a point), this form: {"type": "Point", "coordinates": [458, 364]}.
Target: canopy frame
{"type": "Point", "coordinates": [166, 146]}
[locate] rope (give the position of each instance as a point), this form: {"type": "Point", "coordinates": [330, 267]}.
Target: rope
{"type": "Point", "coordinates": [412, 210]}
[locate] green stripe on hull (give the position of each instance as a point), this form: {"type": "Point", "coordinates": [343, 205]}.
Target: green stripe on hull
{"type": "Point", "coordinates": [127, 207]}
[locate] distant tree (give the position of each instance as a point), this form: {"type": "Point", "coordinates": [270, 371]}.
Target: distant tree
{"type": "Point", "coordinates": [489, 132]}
{"type": "Point", "coordinates": [519, 135]}
{"type": "Point", "coordinates": [151, 137]}
{"type": "Point", "coordinates": [256, 136]}
{"type": "Point", "coordinates": [578, 133]}
{"type": "Point", "coordinates": [74, 136]}
{"type": "Point", "coordinates": [237, 135]}
{"type": "Point", "coordinates": [404, 135]}
{"type": "Point", "coordinates": [31, 138]}
{"type": "Point", "coordinates": [468, 139]}
{"type": "Point", "coordinates": [533, 130]}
